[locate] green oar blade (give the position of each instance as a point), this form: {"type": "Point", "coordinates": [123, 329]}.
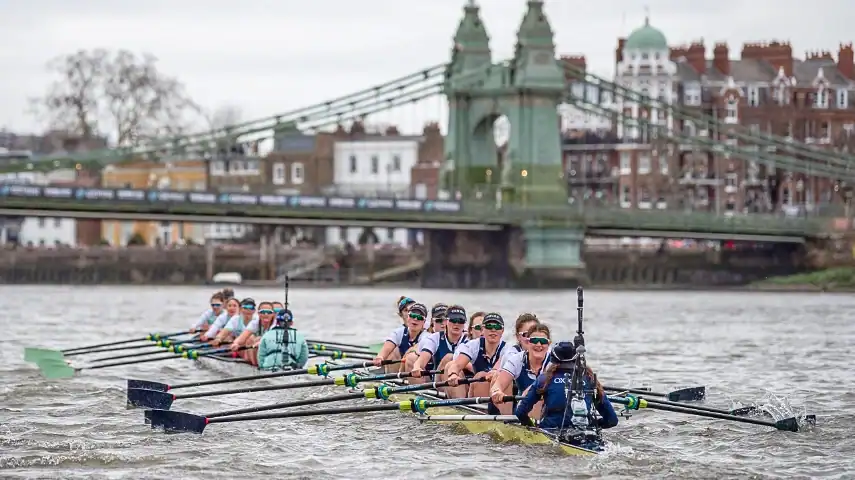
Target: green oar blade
{"type": "Point", "coordinates": [52, 368]}
{"type": "Point", "coordinates": [32, 354]}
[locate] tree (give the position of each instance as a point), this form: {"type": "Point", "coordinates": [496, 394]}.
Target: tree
{"type": "Point", "coordinates": [224, 116]}
{"type": "Point", "coordinates": [121, 95]}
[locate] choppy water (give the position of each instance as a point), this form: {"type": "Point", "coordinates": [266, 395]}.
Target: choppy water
{"type": "Point", "coordinates": [739, 345]}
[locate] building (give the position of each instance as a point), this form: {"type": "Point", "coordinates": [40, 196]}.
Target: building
{"type": "Point", "coordinates": [186, 175]}
{"type": "Point", "coordinates": [765, 90]}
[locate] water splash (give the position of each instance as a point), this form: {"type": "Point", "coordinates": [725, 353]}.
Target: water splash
{"type": "Point", "coordinates": [780, 407]}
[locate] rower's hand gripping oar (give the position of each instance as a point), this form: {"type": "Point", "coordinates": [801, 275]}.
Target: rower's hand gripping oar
{"type": "Point", "coordinates": [197, 423]}
{"type": "Point", "coordinates": [32, 354]}
{"type": "Point", "coordinates": [163, 400]}
{"type": "Point", "coordinates": [174, 421]}
{"type": "Point", "coordinates": [631, 402]}
{"type": "Point", "coordinates": [322, 370]}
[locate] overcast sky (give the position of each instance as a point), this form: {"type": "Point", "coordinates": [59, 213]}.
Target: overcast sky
{"type": "Point", "coordinates": [270, 56]}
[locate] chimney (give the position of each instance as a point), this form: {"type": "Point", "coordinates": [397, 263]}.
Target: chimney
{"type": "Point", "coordinates": [619, 50]}
{"type": "Point", "coordinates": [392, 131]}
{"type": "Point", "coordinates": [721, 62]}
{"type": "Point", "coordinates": [777, 54]}
{"type": "Point", "coordinates": [846, 61]}
{"type": "Point", "coordinates": [695, 55]}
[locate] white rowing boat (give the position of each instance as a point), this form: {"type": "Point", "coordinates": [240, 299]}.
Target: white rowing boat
{"type": "Point", "coordinates": [500, 430]}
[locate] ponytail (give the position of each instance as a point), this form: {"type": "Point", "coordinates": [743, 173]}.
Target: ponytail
{"type": "Point", "coordinates": [547, 379]}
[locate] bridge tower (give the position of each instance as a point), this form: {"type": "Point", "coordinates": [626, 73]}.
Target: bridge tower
{"type": "Point", "coordinates": [523, 94]}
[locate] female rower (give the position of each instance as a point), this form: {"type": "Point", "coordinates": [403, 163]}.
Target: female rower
{"type": "Point", "coordinates": [403, 339]}
{"type": "Point", "coordinates": [484, 355]}
{"type": "Point", "coordinates": [238, 323]}
{"type": "Point", "coordinates": [520, 370]}
{"type": "Point", "coordinates": [282, 346]}
{"type": "Point", "coordinates": [437, 349]}
{"type": "Point", "coordinates": [523, 324]}
{"type": "Point", "coordinates": [567, 412]}
{"type": "Point", "coordinates": [403, 306]}
{"type": "Point", "coordinates": [251, 335]}
{"type": "Point", "coordinates": [232, 309]}
{"type": "Point", "coordinates": [278, 306]}
{"type": "Point", "coordinates": [437, 318]}
{"type": "Point", "coordinates": [210, 315]}
{"type": "Point", "coordinates": [475, 326]}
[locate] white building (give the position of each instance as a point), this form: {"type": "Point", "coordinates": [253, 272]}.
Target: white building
{"type": "Point", "coordinates": [40, 231]}
{"type": "Point", "coordinates": [374, 167]}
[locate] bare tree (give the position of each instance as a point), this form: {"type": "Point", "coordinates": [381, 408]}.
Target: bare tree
{"type": "Point", "coordinates": [116, 94]}
{"type": "Point", "coordinates": [224, 116]}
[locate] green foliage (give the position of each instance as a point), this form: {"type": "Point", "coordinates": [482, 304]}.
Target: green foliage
{"type": "Point", "coordinates": [840, 277]}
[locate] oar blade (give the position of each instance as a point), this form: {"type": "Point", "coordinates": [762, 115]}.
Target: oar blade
{"type": "Point", "coordinates": [174, 422]}
{"type": "Point", "coordinates": [745, 411]}
{"type": "Point", "coordinates": [148, 385]}
{"type": "Point", "coordinates": [788, 424]}
{"type": "Point", "coordinates": [33, 354]}
{"type": "Point", "coordinates": [690, 394]}
{"type": "Point", "coordinates": [153, 399]}
{"type": "Point", "coordinates": [54, 369]}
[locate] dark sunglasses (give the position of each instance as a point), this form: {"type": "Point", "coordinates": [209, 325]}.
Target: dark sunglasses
{"type": "Point", "coordinates": [476, 327]}
{"type": "Point", "coordinates": [248, 307]}
{"type": "Point", "coordinates": [461, 321]}
{"type": "Point", "coordinates": [266, 312]}
{"type": "Point", "coordinates": [438, 320]}
{"type": "Point", "coordinates": [216, 305]}
{"type": "Point", "coordinates": [523, 334]}
{"type": "Point", "coordinates": [417, 316]}
{"type": "Point", "coordinates": [538, 341]}
{"type": "Point", "coordinates": [494, 326]}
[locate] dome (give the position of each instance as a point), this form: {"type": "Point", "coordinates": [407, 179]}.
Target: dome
{"type": "Point", "coordinates": [646, 38]}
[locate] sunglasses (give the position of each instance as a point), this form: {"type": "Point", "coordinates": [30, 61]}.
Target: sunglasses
{"type": "Point", "coordinates": [216, 305]}
{"type": "Point", "coordinates": [417, 316]}
{"type": "Point", "coordinates": [266, 312]}
{"type": "Point", "coordinates": [248, 307]}
{"type": "Point", "coordinates": [494, 326]}
{"type": "Point", "coordinates": [476, 327]}
{"type": "Point", "coordinates": [460, 321]}
{"type": "Point", "coordinates": [438, 320]}
{"type": "Point", "coordinates": [278, 309]}
{"type": "Point", "coordinates": [523, 334]}
{"type": "Point", "coordinates": [538, 341]}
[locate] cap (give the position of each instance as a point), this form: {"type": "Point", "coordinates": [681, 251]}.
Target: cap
{"type": "Point", "coordinates": [456, 312]}
{"type": "Point", "coordinates": [284, 316]}
{"type": "Point", "coordinates": [439, 310]}
{"type": "Point", "coordinates": [562, 352]}
{"type": "Point", "coordinates": [247, 301]}
{"type": "Point", "coordinates": [404, 302]}
{"type": "Point", "coordinates": [419, 309]}
{"type": "Point", "coordinates": [494, 318]}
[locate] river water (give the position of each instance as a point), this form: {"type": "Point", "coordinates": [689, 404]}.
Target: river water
{"type": "Point", "coordinates": [740, 346]}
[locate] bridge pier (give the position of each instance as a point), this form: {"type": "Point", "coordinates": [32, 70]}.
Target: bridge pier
{"type": "Point", "coordinates": [553, 257]}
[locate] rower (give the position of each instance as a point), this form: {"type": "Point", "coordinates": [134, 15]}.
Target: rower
{"type": "Point", "coordinates": [405, 338]}
{"type": "Point", "coordinates": [237, 324]}
{"type": "Point", "coordinates": [437, 318]}
{"type": "Point", "coordinates": [403, 306]}
{"type": "Point", "coordinates": [520, 370]}
{"type": "Point", "coordinates": [278, 306]}
{"type": "Point", "coordinates": [283, 346]}
{"type": "Point", "coordinates": [476, 326]}
{"type": "Point", "coordinates": [521, 326]}
{"type": "Point", "coordinates": [484, 354]}
{"type": "Point", "coordinates": [232, 310]}
{"type": "Point", "coordinates": [571, 393]}
{"type": "Point", "coordinates": [251, 336]}
{"type": "Point", "coordinates": [438, 348]}
{"type": "Point", "coordinates": [210, 315]}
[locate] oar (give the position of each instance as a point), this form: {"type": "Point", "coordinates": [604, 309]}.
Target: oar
{"type": "Point", "coordinates": [741, 411]}
{"type": "Point", "coordinates": [32, 354]}
{"type": "Point", "coordinates": [335, 348]}
{"type": "Point", "coordinates": [197, 423]}
{"type": "Point", "coordinates": [173, 421]}
{"type": "Point", "coordinates": [172, 348]}
{"type": "Point", "coordinates": [322, 370]}
{"type": "Point", "coordinates": [634, 403]}
{"type": "Point", "coordinates": [370, 348]}
{"type": "Point", "coordinates": [472, 417]}
{"type": "Point", "coordinates": [52, 368]}
{"type": "Point", "coordinates": [338, 354]}
{"type": "Point", "coordinates": [163, 401]}
{"type": "Point", "coordinates": [682, 395]}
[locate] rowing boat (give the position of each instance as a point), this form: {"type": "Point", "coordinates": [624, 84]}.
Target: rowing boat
{"type": "Point", "coordinates": [500, 430]}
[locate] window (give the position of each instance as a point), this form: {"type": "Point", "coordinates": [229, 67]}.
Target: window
{"type": "Point", "coordinates": [199, 186]}
{"type": "Point", "coordinates": [732, 110]}
{"type": "Point", "coordinates": [396, 163]}
{"type": "Point", "coordinates": [353, 164]}
{"type": "Point", "coordinates": [842, 98]}
{"type": "Point", "coordinates": [644, 163]}
{"type": "Point", "coordinates": [420, 191]}
{"type": "Point", "coordinates": [625, 163]}
{"type": "Point", "coordinates": [645, 56]}
{"type": "Point", "coordinates": [753, 96]}
{"type": "Point", "coordinates": [297, 173]}
{"type": "Point", "coordinates": [644, 198]}
{"type": "Point", "coordinates": [279, 174]}
{"type": "Point", "coordinates": [625, 199]}
{"type": "Point", "coordinates": [821, 98]}
{"type": "Point", "coordinates": [218, 167]}
{"type": "Point", "coordinates": [663, 164]}
{"type": "Point", "coordinates": [41, 222]}
{"type": "Point", "coordinates": [57, 222]}
{"type": "Point", "coordinates": [375, 164]}
{"type": "Point", "coordinates": [781, 96]}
